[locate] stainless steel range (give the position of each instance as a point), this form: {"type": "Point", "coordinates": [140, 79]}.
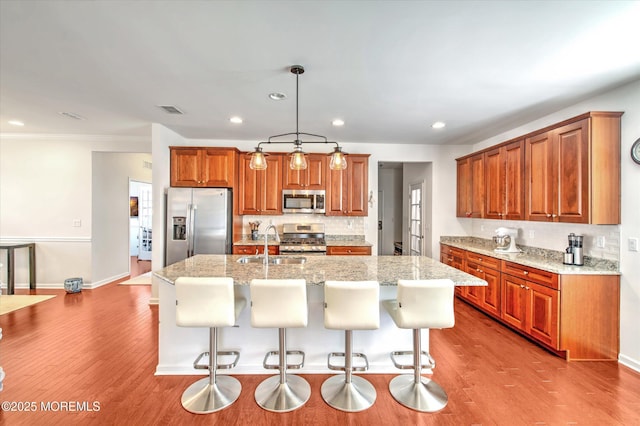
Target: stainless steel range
{"type": "Point", "coordinates": [307, 238]}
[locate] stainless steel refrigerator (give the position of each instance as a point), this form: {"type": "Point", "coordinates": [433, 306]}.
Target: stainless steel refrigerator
{"type": "Point", "coordinates": [199, 221]}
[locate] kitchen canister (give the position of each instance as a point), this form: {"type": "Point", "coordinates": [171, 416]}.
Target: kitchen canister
{"type": "Point", "coordinates": [73, 285]}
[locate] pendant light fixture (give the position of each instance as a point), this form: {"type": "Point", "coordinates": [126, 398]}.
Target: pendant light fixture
{"type": "Point", "coordinates": [298, 159]}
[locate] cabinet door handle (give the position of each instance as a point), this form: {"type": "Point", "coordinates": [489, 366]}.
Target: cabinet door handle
{"type": "Point", "coordinates": [525, 272]}
{"type": "Point", "coordinates": [526, 288]}
{"type": "Point", "coordinates": [548, 214]}
{"type": "Point", "coordinates": [554, 215]}
{"type": "Point", "coordinates": [521, 286]}
{"type": "Point", "coordinates": [479, 270]}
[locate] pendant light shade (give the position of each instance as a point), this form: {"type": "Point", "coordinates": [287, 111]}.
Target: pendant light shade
{"type": "Point", "coordinates": [258, 160]}
{"type": "Point", "coordinates": [338, 162]}
{"type": "Point", "coordinates": [298, 160]}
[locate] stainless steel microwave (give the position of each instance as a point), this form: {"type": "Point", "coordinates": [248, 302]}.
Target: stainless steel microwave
{"type": "Point", "coordinates": [303, 201]}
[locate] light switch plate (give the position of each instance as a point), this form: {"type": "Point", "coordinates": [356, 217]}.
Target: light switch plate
{"type": "Point", "coordinates": [633, 244]}
{"type": "Point", "coordinates": [600, 241]}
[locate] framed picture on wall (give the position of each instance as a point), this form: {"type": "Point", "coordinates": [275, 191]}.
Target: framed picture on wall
{"type": "Point", "coordinates": [133, 206]}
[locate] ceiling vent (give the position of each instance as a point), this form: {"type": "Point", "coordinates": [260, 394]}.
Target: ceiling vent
{"type": "Point", "coordinates": [170, 109]}
{"type": "Point", "coordinates": [72, 115]}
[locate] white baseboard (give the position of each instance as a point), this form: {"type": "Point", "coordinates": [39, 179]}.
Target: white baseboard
{"type": "Point", "coordinates": [629, 362]}
{"type": "Point", "coordinates": [58, 286]}
{"type": "Point", "coordinates": [105, 281]}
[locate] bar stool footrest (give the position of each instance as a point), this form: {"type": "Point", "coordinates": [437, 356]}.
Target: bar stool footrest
{"type": "Point", "coordinates": [431, 363]}
{"type": "Point", "coordinates": [198, 366]}
{"type": "Point", "coordinates": [342, 367]}
{"type": "Point", "coordinates": [288, 366]}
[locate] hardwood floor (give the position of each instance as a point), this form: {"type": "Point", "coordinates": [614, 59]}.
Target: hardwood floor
{"type": "Point", "coordinates": [139, 267]}
{"type": "Point", "coordinates": [100, 346]}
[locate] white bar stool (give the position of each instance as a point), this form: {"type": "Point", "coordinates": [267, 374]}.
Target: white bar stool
{"type": "Point", "coordinates": [209, 302]}
{"type": "Point", "coordinates": [280, 304]}
{"type": "Point", "coordinates": [348, 306]}
{"type": "Point", "coordinates": [420, 304]}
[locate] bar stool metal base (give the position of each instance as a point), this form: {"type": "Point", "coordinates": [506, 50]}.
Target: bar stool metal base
{"type": "Point", "coordinates": [282, 397]}
{"type": "Point", "coordinates": [355, 396]}
{"type": "Point", "coordinates": [426, 396]}
{"type": "Point", "coordinates": [202, 397]}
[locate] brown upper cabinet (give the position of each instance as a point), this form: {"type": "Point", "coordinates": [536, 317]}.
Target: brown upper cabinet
{"type": "Point", "coordinates": [504, 182]}
{"type": "Point", "coordinates": [567, 172]}
{"type": "Point", "coordinates": [313, 177]}
{"type": "Point", "coordinates": [203, 167]}
{"type": "Point", "coordinates": [573, 172]}
{"type": "Point", "coordinates": [470, 195]}
{"type": "Point", "coordinates": [347, 189]}
{"type": "Point", "coordinates": [261, 190]}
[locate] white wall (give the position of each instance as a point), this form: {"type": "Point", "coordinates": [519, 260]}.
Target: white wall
{"type": "Point", "coordinates": [46, 189]}
{"type": "Point", "coordinates": [553, 236]}
{"type": "Point", "coordinates": [110, 207]}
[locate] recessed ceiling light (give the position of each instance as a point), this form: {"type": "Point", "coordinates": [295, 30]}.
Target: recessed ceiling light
{"type": "Point", "coordinates": [277, 96]}
{"type": "Point", "coordinates": [438, 125]}
{"type": "Point", "coordinates": [338, 122]}
{"type": "Point", "coordinates": [236, 120]}
{"type": "Point", "coordinates": [16, 123]}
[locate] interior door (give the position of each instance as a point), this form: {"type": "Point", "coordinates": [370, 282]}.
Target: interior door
{"type": "Point", "coordinates": [416, 234]}
{"type": "Point", "coordinates": [145, 236]}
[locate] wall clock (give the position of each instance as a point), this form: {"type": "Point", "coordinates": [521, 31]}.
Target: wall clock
{"type": "Point", "coordinates": [635, 151]}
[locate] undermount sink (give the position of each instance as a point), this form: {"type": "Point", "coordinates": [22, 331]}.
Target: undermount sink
{"type": "Point", "coordinates": [274, 260]}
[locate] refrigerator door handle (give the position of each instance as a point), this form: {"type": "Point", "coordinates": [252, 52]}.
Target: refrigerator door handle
{"type": "Point", "coordinates": [189, 231]}
{"type": "Point", "coordinates": [192, 229]}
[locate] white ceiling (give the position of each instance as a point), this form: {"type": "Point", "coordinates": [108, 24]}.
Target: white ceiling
{"type": "Point", "coordinates": [388, 68]}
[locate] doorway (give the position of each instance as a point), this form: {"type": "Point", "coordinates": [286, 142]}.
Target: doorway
{"type": "Point", "coordinates": [399, 224]}
{"type": "Point", "coordinates": [140, 226]}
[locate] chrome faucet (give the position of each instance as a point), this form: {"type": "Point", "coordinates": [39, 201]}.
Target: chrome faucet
{"type": "Point", "coordinates": [266, 245]}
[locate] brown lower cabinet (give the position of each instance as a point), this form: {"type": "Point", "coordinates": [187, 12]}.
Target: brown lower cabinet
{"type": "Point", "coordinates": [349, 250]}
{"type": "Point", "coordinates": [574, 316]}
{"type": "Point", "coordinates": [255, 249]}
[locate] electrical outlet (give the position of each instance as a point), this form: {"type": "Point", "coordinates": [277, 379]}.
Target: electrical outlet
{"type": "Point", "coordinates": [600, 241]}
{"type": "Point", "coordinates": [532, 233]}
{"type": "Point", "coordinates": [77, 223]}
{"type": "Point", "coordinates": [633, 244]}
{"type": "Point", "coordinates": [481, 227]}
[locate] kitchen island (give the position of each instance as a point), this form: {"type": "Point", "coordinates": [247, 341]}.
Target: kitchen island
{"type": "Point", "coordinates": [179, 346]}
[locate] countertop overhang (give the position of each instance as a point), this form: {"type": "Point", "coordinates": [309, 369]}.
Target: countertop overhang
{"type": "Point", "coordinates": [387, 270]}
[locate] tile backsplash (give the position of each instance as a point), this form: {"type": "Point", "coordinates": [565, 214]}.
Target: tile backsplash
{"type": "Point", "coordinates": [334, 225]}
{"type": "Point", "coordinates": [553, 236]}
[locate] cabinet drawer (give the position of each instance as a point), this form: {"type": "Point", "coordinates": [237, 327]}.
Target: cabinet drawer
{"type": "Point", "coordinates": [545, 278]}
{"type": "Point", "coordinates": [452, 251]}
{"type": "Point", "coordinates": [349, 250]}
{"type": "Point", "coordinates": [251, 249]}
{"type": "Point", "coordinates": [485, 261]}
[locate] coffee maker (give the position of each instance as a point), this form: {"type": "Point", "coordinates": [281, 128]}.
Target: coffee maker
{"type": "Point", "coordinates": [574, 254]}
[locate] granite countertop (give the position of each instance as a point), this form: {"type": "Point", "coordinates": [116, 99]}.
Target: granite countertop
{"type": "Point", "coordinates": [332, 240]}
{"type": "Point", "coordinates": [318, 269]}
{"type": "Point", "coordinates": [247, 241]}
{"type": "Point", "coordinates": [546, 260]}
